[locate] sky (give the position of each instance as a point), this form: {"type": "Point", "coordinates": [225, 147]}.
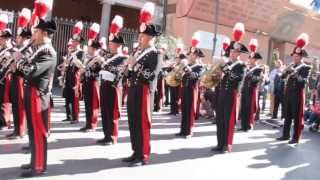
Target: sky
{"type": "Point", "coordinates": [304, 3]}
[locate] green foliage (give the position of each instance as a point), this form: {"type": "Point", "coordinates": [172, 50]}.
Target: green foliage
{"type": "Point", "coordinates": [170, 41]}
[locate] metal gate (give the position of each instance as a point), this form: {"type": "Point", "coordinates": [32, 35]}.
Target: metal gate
{"type": "Point", "coordinates": [64, 32]}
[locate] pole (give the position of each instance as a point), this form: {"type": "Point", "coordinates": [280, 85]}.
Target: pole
{"type": "Point", "coordinates": [165, 10]}
{"type": "Point", "coordinates": [216, 26]}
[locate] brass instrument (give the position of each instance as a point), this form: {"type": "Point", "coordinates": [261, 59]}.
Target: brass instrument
{"type": "Point", "coordinates": [212, 76]}
{"type": "Point", "coordinates": [290, 70]}
{"type": "Point", "coordinates": [174, 77]}
{"type": "Point", "coordinates": [5, 68]}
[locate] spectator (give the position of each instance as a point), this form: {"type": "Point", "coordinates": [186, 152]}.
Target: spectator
{"type": "Point", "coordinates": [278, 93]}
{"type": "Point", "coordinates": [272, 76]}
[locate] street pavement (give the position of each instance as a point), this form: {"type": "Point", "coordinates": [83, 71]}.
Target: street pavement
{"type": "Point", "coordinates": [256, 155]}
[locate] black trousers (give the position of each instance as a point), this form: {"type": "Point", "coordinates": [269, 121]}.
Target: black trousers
{"type": "Point", "coordinates": [110, 110]}
{"type": "Point", "coordinates": [278, 100]}
{"type": "Point", "coordinates": [294, 103]}
{"type": "Point", "coordinates": [18, 110]}
{"type": "Point", "coordinates": [4, 103]}
{"type": "Point", "coordinates": [72, 104]}
{"type": "Point", "coordinates": [174, 99]}
{"type": "Point", "coordinates": [139, 114]}
{"type": "Point", "coordinates": [36, 102]}
{"type": "Point", "coordinates": [91, 102]}
{"type": "Point", "coordinates": [167, 93]}
{"type": "Point", "coordinates": [226, 116]}
{"type": "Point", "coordinates": [188, 109]}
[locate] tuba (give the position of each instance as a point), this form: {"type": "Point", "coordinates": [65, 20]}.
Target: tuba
{"type": "Point", "coordinates": [212, 76]}
{"type": "Point", "coordinates": [174, 77]}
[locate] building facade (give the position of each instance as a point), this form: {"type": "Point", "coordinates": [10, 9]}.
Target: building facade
{"type": "Point", "coordinates": [275, 23]}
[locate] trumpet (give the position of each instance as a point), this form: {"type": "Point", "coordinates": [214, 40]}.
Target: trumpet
{"type": "Point", "coordinates": [291, 70]}
{"type": "Point", "coordinates": [5, 68]}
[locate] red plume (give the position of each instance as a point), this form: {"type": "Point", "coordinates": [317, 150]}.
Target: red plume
{"type": "Point", "coordinates": [195, 39]}
{"type": "Point", "coordinates": [253, 45]}
{"type": "Point", "coordinates": [42, 7]}
{"type": "Point", "coordinates": [238, 31]}
{"type": "Point", "coordinates": [77, 28]}
{"type": "Point", "coordinates": [302, 40]}
{"type": "Point", "coordinates": [226, 43]}
{"type": "Point", "coordinates": [24, 17]}
{"type": "Point", "coordinates": [3, 21]}
{"type": "Point", "coordinates": [116, 25]}
{"type": "Point", "coordinates": [147, 13]}
{"type": "Point", "coordinates": [93, 31]}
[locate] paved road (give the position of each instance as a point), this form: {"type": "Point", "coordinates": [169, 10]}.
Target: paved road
{"type": "Point", "coordinates": [256, 155]}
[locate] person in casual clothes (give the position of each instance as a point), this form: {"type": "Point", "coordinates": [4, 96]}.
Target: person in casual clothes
{"type": "Point", "coordinates": [278, 92]}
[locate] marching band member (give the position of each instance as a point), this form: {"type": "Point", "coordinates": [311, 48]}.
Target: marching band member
{"type": "Point", "coordinates": [38, 71]}
{"type": "Point", "coordinates": [294, 98]}
{"type": "Point", "coordinates": [5, 54]}
{"type": "Point", "coordinates": [90, 74]}
{"type": "Point", "coordinates": [250, 89]}
{"type": "Point", "coordinates": [110, 86]}
{"type": "Point", "coordinates": [227, 92]}
{"type": "Point", "coordinates": [17, 93]}
{"type": "Point", "coordinates": [190, 88]}
{"type": "Point", "coordinates": [142, 78]}
{"type": "Point", "coordinates": [125, 82]}
{"type": "Point", "coordinates": [160, 90]}
{"type": "Point", "coordinates": [90, 86]}
{"type": "Point", "coordinates": [175, 92]}
{"type": "Point", "coordinates": [72, 84]}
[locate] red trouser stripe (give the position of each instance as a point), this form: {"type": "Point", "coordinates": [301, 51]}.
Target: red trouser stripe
{"type": "Point", "coordinates": [22, 112]}
{"type": "Point", "coordinates": [38, 128]}
{"type": "Point", "coordinates": [300, 125]}
{"type": "Point", "coordinates": [6, 100]}
{"type": "Point", "coordinates": [194, 106]}
{"type": "Point", "coordinates": [253, 106]}
{"type": "Point", "coordinates": [116, 114]}
{"type": "Point", "coordinates": [233, 117]}
{"type": "Point", "coordinates": [95, 104]}
{"type": "Point", "coordinates": [77, 94]}
{"type": "Point", "coordinates": [146, 122]}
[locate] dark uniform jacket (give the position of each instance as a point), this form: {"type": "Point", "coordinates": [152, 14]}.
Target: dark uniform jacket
{"type": "Point", "coordinates": [146, 69]}
{"type": "Point", "coordinates": [72, 69]}
{"type": "Point", "coordinates": [234, 73]}
{"type": "Point", "coordinates": [114, 65]}
{"type": "Point", "coordinates": [40, 68]}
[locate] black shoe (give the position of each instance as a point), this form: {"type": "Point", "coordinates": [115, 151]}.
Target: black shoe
{"type": "Point", "coordinates": [178, 134]}
{"type": "Point", "coordinates": [12, 136]}
{"type": "Point", "coordinates": [226, 149]}
{"type": "Point", "coordinates": [86, 129]}
{"type": "Point", "coordinates": [241, 129]}
{"type": "Point", "coordinates": [104, 142]}
{"type": "Point", "coordinates": [66, 120]}
{"type": "Point", "coordinates": [25, 148]}
{"type": "Point", "coordinates": [188, 136]}
{"type": "Point", "coordinates": [136, 163]}
{"type": "Point", "coordinates": [282, 138]}
{"type": "Point", "coordinates": [129, 159]}
{"type": "Point", "coordinates": [217, 148]}
{"type": "Point", "coordinates": [32, 173]}
{"type": "Point", "coordinates": [74, 122]}
{"type": "Point", "coordinates": [293, 141]}
{"type": "Point", "coordinates": [25, 166]}
{"type": "Point", "coordinates": [89, 130]}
